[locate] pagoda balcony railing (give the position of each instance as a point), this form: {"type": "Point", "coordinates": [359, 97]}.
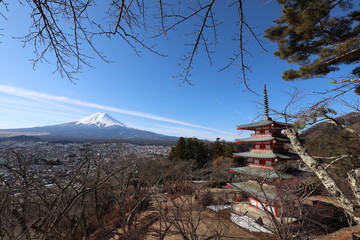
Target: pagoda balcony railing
{"type": "Point", "coordinates": [260, 134]}
{"type": "Point", "coordinates": [260, 165]}
{"type": "Point", "coordinates": [261, 149]}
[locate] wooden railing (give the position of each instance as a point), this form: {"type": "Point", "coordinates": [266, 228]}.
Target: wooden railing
{"type": "Point", "coordinates": [260, 134]}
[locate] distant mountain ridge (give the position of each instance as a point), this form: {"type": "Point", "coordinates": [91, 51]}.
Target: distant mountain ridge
{"type": "Point", "coordinates": [351, 120]}
{"type": "Point", "coordinates": [325, 139]}
{"type": "Point", "coordinates": [99, 126]}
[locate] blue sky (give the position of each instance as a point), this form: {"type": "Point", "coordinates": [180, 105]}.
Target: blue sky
{"type": "Point", "coordinates": [141, 91]}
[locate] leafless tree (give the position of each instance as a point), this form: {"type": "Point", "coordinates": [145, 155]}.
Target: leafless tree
{"type": "Point", "coordinates": [64, 31]}
{"type": "Point", "coordinates": [287, 212]}
{"type": "Point", "coordinates": [182, 214]}
{"type": "Point", "coordinates": [100, 194]}
{"type": "Point", "coordinates": [351, 207]}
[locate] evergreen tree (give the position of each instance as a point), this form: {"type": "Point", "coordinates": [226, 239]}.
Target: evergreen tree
{"type": "Point", "coordinates": [190, 149]}
{"type": "Point", "coordinates": [228, 149]}
{"type": "Point", "coordinates": [201, 153]}
{"type": "Point", "coordinates": [221, 149]}
{"type": "Point", "coordinates": [217, 149]}
{"type": "Point", "coordinates": [178, 151]}
{"type": "Point", "coordinates": [313, 34]}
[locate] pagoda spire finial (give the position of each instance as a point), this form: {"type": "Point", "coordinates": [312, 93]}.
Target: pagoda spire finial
{"type": "Point", "coordinates": [266, 103]}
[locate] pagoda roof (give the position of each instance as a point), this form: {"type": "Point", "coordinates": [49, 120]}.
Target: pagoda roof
{"type": "Point", "coordinates": [267, 154]}
{"type": "Point", "coordinates": [262, 139]}
{"type": "Point", "coordinates": [265, 191]}
{"type": "Point", "coordinates": [264, 172]}
{"type": "Point", "coordinates": [263, 122]}
{"type": "Point", "coordinates": [254, 188]}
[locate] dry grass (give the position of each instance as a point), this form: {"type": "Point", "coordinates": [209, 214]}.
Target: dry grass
{"type": "Point", "coordinates": [343, 234]}
{"type": "Point", "coordinates": [175, 212]}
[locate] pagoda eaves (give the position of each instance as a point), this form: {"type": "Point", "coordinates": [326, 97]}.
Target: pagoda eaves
{"type": "Point", "coordinates": [263, 172]}
{"type": "Point", "coordinates": [255, 138]}
{"type": "Point", "coordinates": [267, 155]}
{"type": "Point", "coordinates": [267, 192]}
{"type": "Point", "coordinates": [264, 122]}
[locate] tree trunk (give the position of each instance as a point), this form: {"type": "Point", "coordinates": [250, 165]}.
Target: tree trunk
{"type": "Point", "coordinates": [324, 176]}
{"type": "Point", "coordinates": [354, 180]}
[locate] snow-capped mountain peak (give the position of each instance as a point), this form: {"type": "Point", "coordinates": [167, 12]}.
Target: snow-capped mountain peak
{"type": "Point", "coordinates": [100, 119]}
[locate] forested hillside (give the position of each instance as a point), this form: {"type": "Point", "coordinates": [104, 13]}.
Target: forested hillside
{"type": "Point", "coordinates": [326, 139]}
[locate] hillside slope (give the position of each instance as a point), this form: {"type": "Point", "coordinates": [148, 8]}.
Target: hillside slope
{"type": "Point", "coordinates": [326, 139]}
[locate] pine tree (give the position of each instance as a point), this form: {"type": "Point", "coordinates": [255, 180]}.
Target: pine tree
{"type": "Point", "coordinates": [190, 149]}
{"type": "Point", "coordinates": [178, 151]}
{"type": "Point", "coordinates": [217, 149]}
{"type": "Point", "coordinates": [313, 34]}
{"type": "Point", "coordinates": [228, 149]}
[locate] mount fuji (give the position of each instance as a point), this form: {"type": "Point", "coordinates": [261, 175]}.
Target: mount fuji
{"type": "Point", "coordinates": [100, 120]}
{"type": "Point", "coordinates": [99, 126]}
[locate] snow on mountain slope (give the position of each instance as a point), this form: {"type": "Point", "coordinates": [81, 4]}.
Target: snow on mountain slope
{"type": "Point", "coordinates": [98, 126]}
{"type": "Point", "coordinates": [100, 119]}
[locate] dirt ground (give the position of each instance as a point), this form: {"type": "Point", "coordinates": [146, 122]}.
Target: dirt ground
{"type": "Point", "coordinates": [343, 234]}
{"type": "Point", "coordinates": [207, 224]}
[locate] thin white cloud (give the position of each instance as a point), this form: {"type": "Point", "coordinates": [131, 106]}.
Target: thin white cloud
{"type": "Point", "coordinates": [32, 96]}
{"type": "Point", "coordinates": [250, 118]}
{"type": "Point", "coordinates": [20, 92]}
{"type": "Point", "coordinates": [188, 132]}
{"type": "Point", "coordinates": [237, 111]}
{"type": "Point", "coordinates": [12, 107]}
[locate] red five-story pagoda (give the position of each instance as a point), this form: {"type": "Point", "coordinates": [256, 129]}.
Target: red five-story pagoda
{"type": "Point", "coordinates": [268, 151]}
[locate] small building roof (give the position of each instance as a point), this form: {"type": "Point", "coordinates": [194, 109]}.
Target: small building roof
{"type": "Point", "coordinates": [263, 122]}
{"type": "Point", "coordinates": [264, 172]}
{"type": "Point", "coordinates": [262, 139]}
{"type": "Point", "coordinates": [267, 154]}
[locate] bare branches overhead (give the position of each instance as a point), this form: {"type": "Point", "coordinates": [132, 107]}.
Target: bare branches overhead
{"type": "Point", "coordinates": [65, 32]}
